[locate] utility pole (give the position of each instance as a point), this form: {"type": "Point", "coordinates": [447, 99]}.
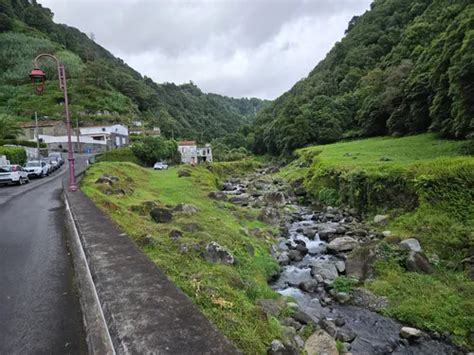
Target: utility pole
{"type": "Point", "coordinates": [37, 136]}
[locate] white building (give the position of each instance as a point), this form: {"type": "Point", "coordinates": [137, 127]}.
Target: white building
{"type": "Point", "coordinates": [114, 136]}
{"type": "Point", "coordinates": [192, 154]}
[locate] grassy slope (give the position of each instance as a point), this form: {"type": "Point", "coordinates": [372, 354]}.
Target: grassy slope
{"type": "Point", "coordinates": [226, 294]}
{"type": "Point", "coordinates": [442, 219]}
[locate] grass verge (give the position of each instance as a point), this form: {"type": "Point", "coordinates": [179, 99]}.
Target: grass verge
{"type": "Point", "coordinates": [225, 294]}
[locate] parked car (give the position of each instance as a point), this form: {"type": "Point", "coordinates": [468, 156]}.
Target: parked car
{"type": "Point", "coordinates": [160, 166]}
{"type": "Point", "coordinates": [54, 162]}
{"type": "Point", "coordinates": [37, 168]}
{"type": "Point", "coordinates": [58, 156]}
{"type": "Point", "coordinates": [13, 174]}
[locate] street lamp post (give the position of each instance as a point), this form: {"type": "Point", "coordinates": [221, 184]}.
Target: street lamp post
{"type": "Point", "coordinates": [37, 77]}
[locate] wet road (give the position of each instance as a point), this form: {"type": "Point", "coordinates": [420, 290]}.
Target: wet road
{"type": "Point", "coordinates": [39, 306]}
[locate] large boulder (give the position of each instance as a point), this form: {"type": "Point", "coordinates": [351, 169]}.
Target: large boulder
{"type": "Point", "coordinates": [161, 215]}
{"type": "Point", "coordinates": [215, 253]}
{"type": "Point", "coordinates": [320, 343]}
{"type": "Point", "coordinates": [418, 262]}
{"type": "Point", "coordinates": [271, 307]}
{"type": "Point", "coordinates": [278, 348]}
{"type": "Point", "coordinates": [342, 244]}
{"type": "Point", "coordinates": [326, 269]}
{"type": "Point", "coordinates": [360, 262]}
{"type": "Point", "coordinates": [274, 198]}
{"type": "Point", "coordinates": [242, 199]}
{"type": "Point", "coordinates": [411, 244]}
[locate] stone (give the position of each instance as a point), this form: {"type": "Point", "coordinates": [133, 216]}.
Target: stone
{"type": "Point", "coordinates": [386, 234]}
{"type": "Point", "coordinates": [363, 298]}
{"type": "Point", "coordinates": [345, 335]}
{"type": "Point", "coordinates": [144, 208]}
{"type": "Point", "coordinates": [360, 232]}
{"type": "Point", "coordinates": [292, 305]}
{"type": "Point", "coordinates": [290, 322]}
{"type": "Point", "coordinates": [385, 159]}
{"type": "Point", "coordinates": [328, 326]}
{"type": "Point", "coordinates": [301, 247]}
{"type": "Point", "coordinates": [184, 173]}
{"type": "Point", "coordinates": [342, 297]}
{"type": "Point", "coordinates": [161, 215]}
{"type": "Point", "coordinates": [228, 187]}
{"type": "Point", "coordinates": [270, 307]}
{"type": "Point", "coordinates": [342, 244]}
{"type": "Point", "coordinates": [217, 195]}
{"type": "Point", "coordinates": [324, 236]}
{"type": "Point", "coordinates": [410, 333]}
{"type": "Point", "coordinates": [241, 200]}
{"type": "Point", "coordinates": [175, 234]}
{"type": "Point", "coordinates": [106, 179]}
{"type": "Point", "coordinates": [274, 198]}
{"type": "Point", "coordinates": [278, 348]}
{"type": "Point", "coordinates": [320, 343]}
{"type": "Point", "coordinates": [295, 255]}
{"type": "Point", "coordinates": [325, 268]}
{"type": "Point", "coordinates": [339, 322]}
{"type": "Point", "coordinates": [283, 259]}
{"type": "Point", "coordinates": [360, 262]}
{"type": "Point", "coordinates": [381, 219]}
{"type": "Point", "coordinates": [215, 253]}
{"type": "Point", "coordinates": [302, 317]}
{"type": "Point", "coordinates": [186, 209]}
{"type": "Point", "coordinates": [340, 266]}
{"type": "Point", "coordinates": [308, 286]}
{"type": "Point", "coordinates": [269, 216]}
{"type": "Point", "coordinates": [418, 262]}
{"type": "Point", "coordinates": [411, 244]}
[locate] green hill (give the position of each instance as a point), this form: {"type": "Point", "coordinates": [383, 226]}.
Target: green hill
{"type": "Point", "coordinates": [101, 86]}
{"type": "Point", "coordinates": [403, 67]}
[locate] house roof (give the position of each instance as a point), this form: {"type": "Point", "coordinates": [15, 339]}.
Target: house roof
{"type": "Point", "coordinates": [187, 143]}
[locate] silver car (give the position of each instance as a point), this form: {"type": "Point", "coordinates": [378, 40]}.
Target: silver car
{"type": "Point", "coordinates": [13, 174]}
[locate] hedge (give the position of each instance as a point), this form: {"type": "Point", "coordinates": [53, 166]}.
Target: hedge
{"type": "Point", "coordinates": [16, 155]}
{"type": "Point", "coordinates": [21, 142]}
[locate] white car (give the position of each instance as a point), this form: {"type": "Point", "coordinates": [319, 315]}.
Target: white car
{"type": "Point", "coordinates": [37, 168]}
{"type": "Point", "coordinates": [58, 156]}
{"type": "Point", "coordinates": [160, 166]}
{"type": "Point", "coordinates": [13, 174]}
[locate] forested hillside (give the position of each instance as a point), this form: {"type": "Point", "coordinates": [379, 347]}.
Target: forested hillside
{"type": "Point", "coordinates": [403, 67]}
{"type": "Point", "coordinates": [102, 87]}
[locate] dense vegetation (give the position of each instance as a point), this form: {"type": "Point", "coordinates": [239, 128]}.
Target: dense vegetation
{"type": "Point", "coordinates": [426, 186]}
{"type": "Point", "coordinates": [404, 67]}
{"type": "Point", "coordinates": [102, 87]}
{"type": "Point", "coordinates": [226, 294]}
{"type": "Point", "coordinates": [15, 155]}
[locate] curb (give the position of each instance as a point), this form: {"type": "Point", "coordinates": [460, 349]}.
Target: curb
{"type": "Point", "coordinates": [98, 337]}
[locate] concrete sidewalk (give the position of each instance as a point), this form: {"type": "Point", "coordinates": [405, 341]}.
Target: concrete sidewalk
{"type": "Point", "coordinates": [144, 311]}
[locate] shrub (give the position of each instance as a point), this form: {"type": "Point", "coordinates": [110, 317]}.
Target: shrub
{"type": "Point", "coordinates": [152, 149]}
{"type": "Point", "coordinates": [343, 284]}
{"type": "Point", "coordinates": [16, 155]}
{"type": "Point", "coordinates": [21, 142]}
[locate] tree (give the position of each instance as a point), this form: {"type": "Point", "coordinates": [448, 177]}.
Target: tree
{"type": "Point", "coordinates": [8, 128]}
{"type": "Point", "coordinates": [152, 149]}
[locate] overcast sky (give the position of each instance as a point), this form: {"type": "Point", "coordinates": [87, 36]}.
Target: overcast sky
{"type": "Point", "coordinates": [232, 47]}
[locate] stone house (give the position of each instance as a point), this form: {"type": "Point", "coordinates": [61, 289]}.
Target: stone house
{"type": "Point", "coordinates": [191, 153]}
{"type": "Point", "coordinates": [49, 128]}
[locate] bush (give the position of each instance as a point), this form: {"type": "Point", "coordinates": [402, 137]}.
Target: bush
{"type": "Point", "coordinates": [152, 149]}
{"type": "Point", "coordinates": [16, 155]}
{"type": "Point", "coordinates": [21, 142]}
{"type": "Point", "coordinates": [122, 154]}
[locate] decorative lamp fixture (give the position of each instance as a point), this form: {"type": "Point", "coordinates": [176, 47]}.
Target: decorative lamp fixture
{"type": "Point", "coordinates": [37, 78]}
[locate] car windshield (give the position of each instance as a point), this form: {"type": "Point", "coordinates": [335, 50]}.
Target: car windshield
{"type": "Point", "coordinates": [32, 164]}
{"type": "Point", "coordinates": [5, 169]}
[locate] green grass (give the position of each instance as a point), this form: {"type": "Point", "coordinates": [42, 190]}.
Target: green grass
{"type": "Point", "coordinates": [427, 187]}
{"type": "Point", "coordinates": [225, 294]}
{"type": "Point", "coordinates": [443, 302]}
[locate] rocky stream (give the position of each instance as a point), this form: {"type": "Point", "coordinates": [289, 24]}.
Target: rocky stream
{"type": "Point", "coordinates": [316, 246]}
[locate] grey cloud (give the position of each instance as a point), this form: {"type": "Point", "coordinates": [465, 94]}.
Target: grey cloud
{"type": "Point", "coordinates": [234, 47]}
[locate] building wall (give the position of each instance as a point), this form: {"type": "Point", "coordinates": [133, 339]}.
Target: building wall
{"type": "Point", "coordinates": [58, 129]}
{"type": "Point", "coordinates": [188, 153]}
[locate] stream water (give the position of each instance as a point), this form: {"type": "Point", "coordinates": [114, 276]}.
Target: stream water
{"type": "Point", "coordinates": [301, 248]}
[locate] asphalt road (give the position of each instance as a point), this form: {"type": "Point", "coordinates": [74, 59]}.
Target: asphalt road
{"type": "Point", "coordinates": [39, 307]}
